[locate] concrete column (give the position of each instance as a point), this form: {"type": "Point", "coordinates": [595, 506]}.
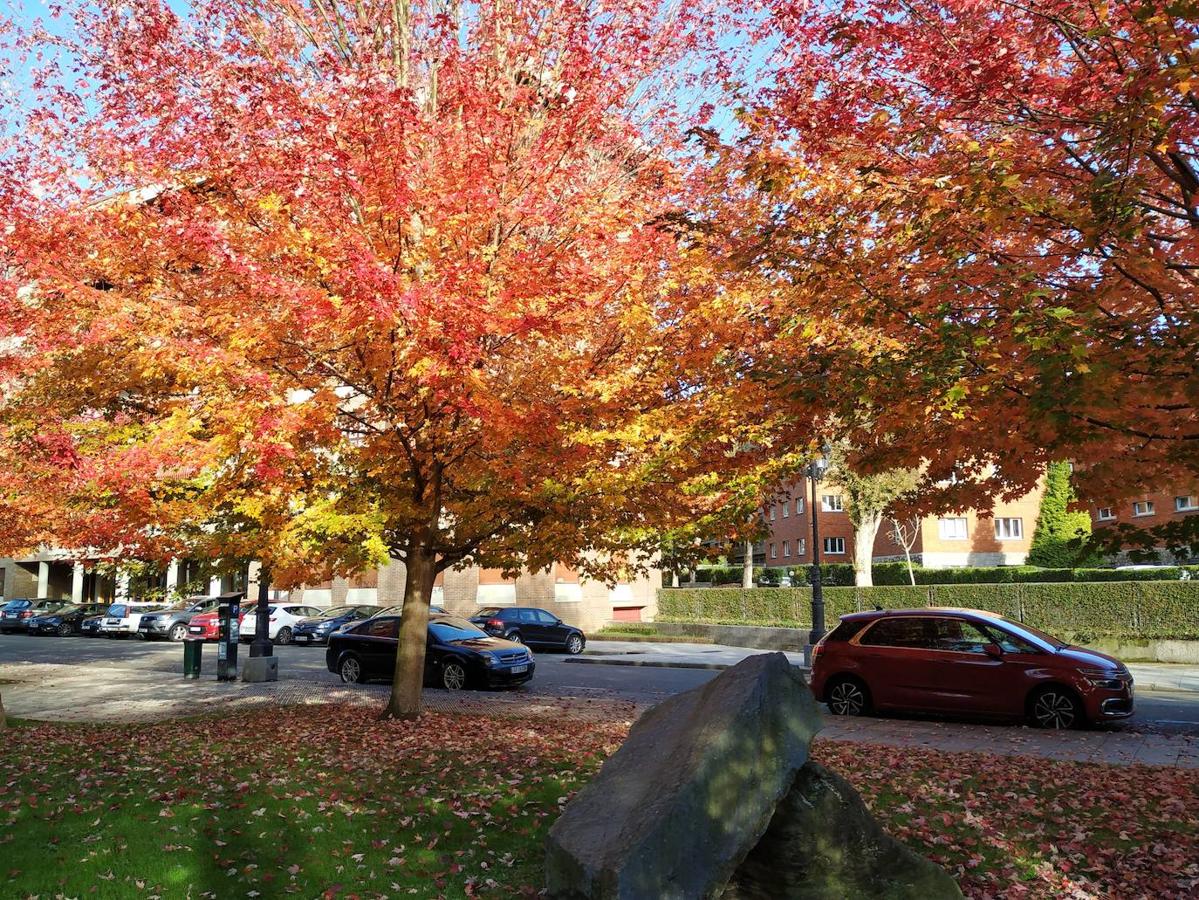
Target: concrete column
{"type": "Point", "coordinates": [214, 586]}
{"type": "Point", "coordinates": [122, 592]}
{"type": "Point", "coordinates": [172, 575]}
{"type": "Point", "coordinates": [77, 583]}
{"type": "Point", "coordinates": [43, 578]}
{"type": "Point", "coordinates": [254, 571]}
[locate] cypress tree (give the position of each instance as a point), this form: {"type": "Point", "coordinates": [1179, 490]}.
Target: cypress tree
{"type": "Point", "coordinates": [1060, 531]}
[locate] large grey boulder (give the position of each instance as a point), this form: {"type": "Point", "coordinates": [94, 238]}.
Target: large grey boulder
{"type": "Point", "coordinates": [823, 844]}
{"type": "Point", "coordinates": [680, 804]}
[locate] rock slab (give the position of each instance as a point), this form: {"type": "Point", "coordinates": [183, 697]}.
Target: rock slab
{"type": "Point", "coordinates": [823, 844]}
{"type": "Point", "coordinates": [674, 811]}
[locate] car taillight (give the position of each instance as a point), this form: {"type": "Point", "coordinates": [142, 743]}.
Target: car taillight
{"type": "Point", "coordinates": [495, 623]}
{"type": "Point", "coordinates": [271, 619]}
{"type": "Point", "coordinates": [25, 615]}
{"type": "Point", "coordinates": [816, 650]}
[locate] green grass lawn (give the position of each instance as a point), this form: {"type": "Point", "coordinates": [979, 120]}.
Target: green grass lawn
{"type": "Point", "coordinates": [313, 801]}
{"type": "Point", "coordinates": [329, 801]}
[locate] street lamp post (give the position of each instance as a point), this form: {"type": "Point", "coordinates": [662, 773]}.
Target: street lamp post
{"type": "Point", "coordinates": [815, 471]}
{"type": "Point", "coordinates": [262, 645]}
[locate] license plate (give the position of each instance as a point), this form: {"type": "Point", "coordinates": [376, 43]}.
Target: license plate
{"type": "Point", "coordinates": [516, 670]}
{"type": "Point", "coordinates": [195, 629]}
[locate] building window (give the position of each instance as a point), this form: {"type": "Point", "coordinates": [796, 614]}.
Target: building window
{"type": "Point", "coordinates": [1186, 504]}
{"type": "Point", "coordinates": [774, 552]}
{"type": "Point", "coordinates": [786, 549]}
{"type": "Point", "coordinates": [771, 513]}
{"type": "Point", "coordinates": [1106, 514]}
{"type": "Point", "coordinates": [1142, 508]}
{"type": "Point", "coordinates": [801, 547]}
{"type": "Point", "coordinates": [831, 503]}
{"type": "Point", "coordinates": [786, 510]}
{"type": "Point", "coordinates": [799, 506]}
{"type": "Point", "coordinates": [1009, 529]}
{"type": "Point", "coordinates": [952, 529]}
{"type": "Point", "coordinates": [834, 545]}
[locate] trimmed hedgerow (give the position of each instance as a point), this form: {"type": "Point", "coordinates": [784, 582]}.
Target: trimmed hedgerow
{"type": "Point", "coordinates": [1131, 609]}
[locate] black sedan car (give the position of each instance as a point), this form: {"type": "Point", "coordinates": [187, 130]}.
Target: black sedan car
{"type": "Point", "coordinates": [457, 654]}
{"type": "Point", "coordinates": [316, 629]}
{"type": "Point", "coordinates": [527, 625]}
{"type": "Point", "coordinates": [66, 619]}
{"type": "Point", "coordinates": [90, 627]}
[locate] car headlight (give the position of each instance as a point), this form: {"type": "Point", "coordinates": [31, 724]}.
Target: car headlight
{"type": "Point", "coordinates": [1101, 678]}
{"type": "Point", "coordinates": [489, 660]}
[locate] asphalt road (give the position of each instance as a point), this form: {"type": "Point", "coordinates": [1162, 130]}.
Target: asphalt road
{"type": "Point", "coordinates": [1174, 712]}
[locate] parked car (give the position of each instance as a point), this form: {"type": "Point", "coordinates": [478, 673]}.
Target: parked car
{"type": "Point", "coordinates": [123, 617]}
{"type": "Point", "coordinates": [65, 620]}
{"type": "Point", "coordinates": [316, 629]}
{"type": "Point", "coordinates": [966, 662]}
{"type": "Point", "coordinates": [458, 654]}
{"type": "Point", "coordinates": [284, 617]}
{"type": "Point", "coordinates": [397, 610]}
{"type": "Point", "coordinates": [527, 625]}
{"type": "Point", "coordinates": [15, 614]}
{"type": "Point", "coordinates": [172, 623]}
{"type": "Point", "coordinates": [90, 627]}
{"type": "Point", "coordinates": [205, 626]}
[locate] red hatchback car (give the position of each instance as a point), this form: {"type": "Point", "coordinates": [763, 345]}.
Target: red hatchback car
{"type": "Point", "coordinates": [967, 662]}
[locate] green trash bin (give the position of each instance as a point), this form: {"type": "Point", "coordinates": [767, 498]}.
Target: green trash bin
{"type": "Point", "coordinates": [191, 658]}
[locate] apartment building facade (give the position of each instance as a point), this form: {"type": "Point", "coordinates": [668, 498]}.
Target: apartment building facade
{"type": "Point", "coordinates": [999, 536]}
{"type": "Point", "coordinates": [1147, 510]}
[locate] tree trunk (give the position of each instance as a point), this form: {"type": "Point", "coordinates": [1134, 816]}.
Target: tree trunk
{"type": "Point", "coordinates": [747, 567]}
{"type": "Point", "coordinates": [863, 550]}
{"type": "Point", "coordinates": [3, 719]}
{"type": "Point", "coordinates": [907, 552]}
{"type": "Point", "coordinates": [674, 578]}
{"type": "Point", "coordinates": [405, 701]}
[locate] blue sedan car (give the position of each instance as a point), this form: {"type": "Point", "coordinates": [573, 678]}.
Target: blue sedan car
{"type": "Point", "coordinates": [316, 629]}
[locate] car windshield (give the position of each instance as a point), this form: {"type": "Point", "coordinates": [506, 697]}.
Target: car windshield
{"type": "Point", "coordinates": [334, 612]}
{"type": "Point", "coordinates": [1037, 636]}
{"type": "Point", "coordinates": [451, 630]}
{"type": "Point", "coordinates": [117, 610]}
{"type": "Point", "coordinates": [490, 611]}
{"type": "Point", "coordinates": [68, 608]}
{"type": "Point", "coordinates": [18, 604]}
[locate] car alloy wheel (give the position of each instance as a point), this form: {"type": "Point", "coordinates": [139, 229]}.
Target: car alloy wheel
{"type": "Point", "coordinates": [453, 676]}
{"type": "Point", "coordinates": [514, 637]}
{"type": "Point", "coordinates": [65, 629]}
{"type": "Point", "coordinates": [574, 645]}
{"type": "Point", "coordinates": [846, 698]}
{"type": "Point", "coordinates": [178, 632]}
{"type": "Point", "coordinates": [284, 636]}
{"type": "Point", "coordinates": [351, 670]}
{"type": "Point", "coordinates": [1055, 709]}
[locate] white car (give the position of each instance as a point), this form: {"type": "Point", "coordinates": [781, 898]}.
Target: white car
{"type": "Point", "coordinates": [124, 616]}
{"type": "Point", "coordinates": [284, 618]}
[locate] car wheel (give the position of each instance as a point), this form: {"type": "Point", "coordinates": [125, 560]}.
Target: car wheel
{"type": "Point", "coordinates": [350, 669]}
{"type": "Point", "coordinates": [284, 636]}
{"type": "Point", "coordinates": [514, 637]}
{"type": "Point", "coordinates": [848, 697]}
{"type": "Point", "coordinates": [1055, 707]}
{"type": "Point", "coordinates": [574, 644]}
{"type": "Point", "coordinates": [65, 629]}
{"type": "Point", "coordinates": [178, 632]}
{"type": "Point", "coordinates": [453, 676]}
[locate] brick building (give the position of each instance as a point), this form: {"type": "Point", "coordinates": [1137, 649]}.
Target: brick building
{"type": "Point", "coordinates": [970, 538]}
{"type": "Point", "coordinates": [1147, 510]}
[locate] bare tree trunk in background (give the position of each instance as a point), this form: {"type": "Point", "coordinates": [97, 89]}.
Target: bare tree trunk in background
{"type": "Point", "coordinates": [674, 578]}
{"type": "Point", "coordinates": [904, 534]}
{"type": "Point", "coordinates": [409, 678]}
{"type": "Point", "coordinates": [747, 567]}
{"type": "Point", "coordinates": [863, 550]}
{"type": "Point", "coordinates": [3, 719]}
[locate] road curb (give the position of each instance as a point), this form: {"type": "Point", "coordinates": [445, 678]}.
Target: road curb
{"type": "Point", "coordinates": [657, 664]}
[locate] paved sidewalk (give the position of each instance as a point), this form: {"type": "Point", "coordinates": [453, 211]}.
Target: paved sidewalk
{"type": "Point", "coordinates": [82, 693]}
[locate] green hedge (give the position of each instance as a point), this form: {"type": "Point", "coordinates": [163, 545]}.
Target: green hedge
{"type": "Point", "coordinates": [1123, 609]}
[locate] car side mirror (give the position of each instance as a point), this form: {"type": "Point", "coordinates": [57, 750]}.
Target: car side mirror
{"type": "Point", "coordinates": [994, 651]}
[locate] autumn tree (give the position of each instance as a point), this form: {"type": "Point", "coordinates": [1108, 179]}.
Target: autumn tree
{"type": "Point", "coordinates": [327, 283]}
{"type": "Point", "coordinates": [984, 216]}
{"type": "Point", "coordinates": [870, 496]}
